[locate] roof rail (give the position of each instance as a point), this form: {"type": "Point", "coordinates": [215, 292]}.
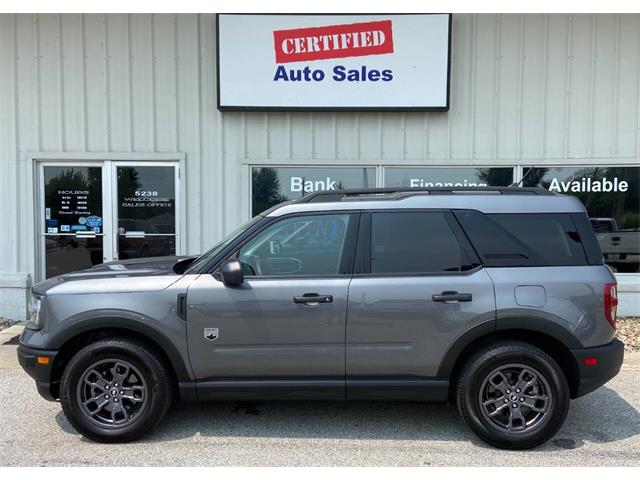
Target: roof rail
{"type": "Point", "coordinates": [403, 192]}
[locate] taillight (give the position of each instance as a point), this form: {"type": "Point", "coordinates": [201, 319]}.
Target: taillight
{"type": "Point", "coordinates": [611, 302]}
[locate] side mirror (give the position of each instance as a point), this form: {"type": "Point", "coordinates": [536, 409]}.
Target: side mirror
{"type": "Point", "coordinates": [231, 273]}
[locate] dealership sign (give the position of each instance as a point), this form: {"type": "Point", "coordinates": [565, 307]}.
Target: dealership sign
{"type": "Point", "coordinates": [333, 62]}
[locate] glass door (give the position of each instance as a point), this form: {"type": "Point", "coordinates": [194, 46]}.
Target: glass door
{"type": "Point", "coordinates": [145, 210]}
{"type": "Point", "coordinates": [71, 221]}
{"type": "Point", "coordinates": [95, 212]}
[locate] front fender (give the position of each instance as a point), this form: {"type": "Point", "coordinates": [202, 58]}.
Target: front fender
{"type": "Point", "coordinates": [172, 344]}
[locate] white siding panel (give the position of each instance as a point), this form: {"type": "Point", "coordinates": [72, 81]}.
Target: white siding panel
{"type": "Point", "coordinates": [165, 91]}
{"type": "Point", "coordinates": [96, 83]}
{"type": "Point", "coordinates": [509, 85]}
{"type": "Point", "coordinates": [142, 83]}
{"type": "Point", "coordinates": [627, 131]}
{"type": "Point", "coordinates": [73, 84]}
{"type": "Point", "coordinates": [8, 146]}
{"type": "Point", "coordinates": [50, 83]}
{"type": "Point", "coordinates": [579, 113]}
{"type": "Point", "coordinates": [558, 72]}
{"type": "Point", "coordinates": [484, 85]}
{"type": "Point", "coordinates": [534, 86]}
{"type": "Point", "coordinates": [118, 88]}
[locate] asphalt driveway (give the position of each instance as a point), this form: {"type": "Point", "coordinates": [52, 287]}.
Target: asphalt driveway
{"type": "Point", "coordinates": [603, 429]}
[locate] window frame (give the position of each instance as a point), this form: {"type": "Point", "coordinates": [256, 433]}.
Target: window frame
{"type": "Point", "coordinates": [362, 264]}
{"type": "Point", "coordinates": [348, 255]}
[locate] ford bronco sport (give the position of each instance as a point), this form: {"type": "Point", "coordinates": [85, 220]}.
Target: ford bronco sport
{"type": "Point", "coordinates": [496, 299]}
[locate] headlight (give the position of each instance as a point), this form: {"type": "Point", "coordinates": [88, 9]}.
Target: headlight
{"type": "Point", "coordinates": [33, 315]}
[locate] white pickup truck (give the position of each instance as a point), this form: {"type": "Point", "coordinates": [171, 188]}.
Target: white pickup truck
{"type": "Point", "coordinates": [621, 248]}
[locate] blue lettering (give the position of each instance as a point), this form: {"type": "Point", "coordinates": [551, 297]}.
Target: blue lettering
{"type": "Point", "coordinates": [338, 73]}
{"type": "Point", "coordinates": [281, 74]}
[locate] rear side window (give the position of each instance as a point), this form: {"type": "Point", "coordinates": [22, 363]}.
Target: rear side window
{"type": "Point", "coordinates": [414, 242]}
{"type": "Point", "coordinates": [528, 239]}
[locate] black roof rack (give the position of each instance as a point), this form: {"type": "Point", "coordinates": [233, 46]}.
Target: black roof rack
{"type": "Point", "coordinates": [396, 193]}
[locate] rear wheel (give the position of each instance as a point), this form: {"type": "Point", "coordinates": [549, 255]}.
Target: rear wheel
{"type": "Point", "coordinates": [115, 390]}
{"type": "Point", "coordinates": [513, 395]}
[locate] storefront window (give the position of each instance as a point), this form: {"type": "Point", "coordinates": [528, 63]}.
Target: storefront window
{"type": "Point", "coordinates": [425, 177]}
{"type": "Point", "coordinates": [272, 185]}
{"type": "Point", "coordinates": [611, 197]}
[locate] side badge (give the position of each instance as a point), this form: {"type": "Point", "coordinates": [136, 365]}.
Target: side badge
{"type": "Point", "coordinates": [211, 334]}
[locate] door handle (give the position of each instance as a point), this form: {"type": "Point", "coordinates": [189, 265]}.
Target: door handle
{"type": "Point", "coordinates": [451, 297]}
{"type": "Point", "coordinates": [313, 298]}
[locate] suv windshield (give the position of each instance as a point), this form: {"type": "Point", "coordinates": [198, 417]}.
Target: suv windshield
{"type": "Point", "coordinates": [203, 259]}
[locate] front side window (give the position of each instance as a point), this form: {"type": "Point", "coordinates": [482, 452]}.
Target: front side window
{"type": "Point", "coordinates": [414, 242]}
{"type": "Point", "coordinates": [311, 245]}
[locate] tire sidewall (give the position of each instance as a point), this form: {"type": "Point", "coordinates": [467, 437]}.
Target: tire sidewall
{"type": "Point", "coordinates": [150, 369]}
{"type": "Point", "coordinates": [549, 425]}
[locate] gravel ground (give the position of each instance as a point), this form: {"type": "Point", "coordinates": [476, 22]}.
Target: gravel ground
{"type": "Point", "coordinates": [4, 323]}
{"type": "Point", "coordinates": [603, 429]}
{"type": "Point", "coordinates": [628, 330]}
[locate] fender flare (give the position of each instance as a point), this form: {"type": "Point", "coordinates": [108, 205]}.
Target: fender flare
{"type": "Point", "coordinates": [522, 324]}
{"type": "Point", "coordinates": [125, 320]}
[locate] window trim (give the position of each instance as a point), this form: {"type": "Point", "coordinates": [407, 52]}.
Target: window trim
{"type": "Point", "coordinates": [362, 264]}
{"type": "Point", "coordinates": [346, 262]}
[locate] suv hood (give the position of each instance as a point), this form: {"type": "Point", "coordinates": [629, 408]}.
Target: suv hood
{"type": "Point", "coordinates": [115, 276]}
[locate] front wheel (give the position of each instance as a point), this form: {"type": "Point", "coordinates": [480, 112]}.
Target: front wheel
{"type": "Point", "coordinates": [115, 390]}
{"type": "Point", "coordinates": [513, 395]}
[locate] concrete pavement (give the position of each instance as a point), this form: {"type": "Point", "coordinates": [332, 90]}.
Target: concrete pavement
{"type": "Point", "coordinates": [603, 429]}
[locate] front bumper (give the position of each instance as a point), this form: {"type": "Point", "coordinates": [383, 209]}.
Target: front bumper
{"type": "Point", "coordinates": [609, 360]}
{"type": "Point", "coordinates": [40, 372]}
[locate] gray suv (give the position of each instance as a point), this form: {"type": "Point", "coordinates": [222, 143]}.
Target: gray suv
{"type": "Point", "coordinates": [495, 299]}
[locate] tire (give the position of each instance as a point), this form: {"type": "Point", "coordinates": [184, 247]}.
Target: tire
{"type": "Point", "coordinates": [527, 421]}
{"type": "Point", "coordinates": [129, 409]}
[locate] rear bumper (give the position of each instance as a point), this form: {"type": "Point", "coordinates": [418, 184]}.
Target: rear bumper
{"type": "Point", "coordinates": [609, 359]}
{"type": "Point", "coordinates": [41, 373]}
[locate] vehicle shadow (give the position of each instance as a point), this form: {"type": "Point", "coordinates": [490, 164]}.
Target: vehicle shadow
{"type": "Point", "coordinates": [601, 417]}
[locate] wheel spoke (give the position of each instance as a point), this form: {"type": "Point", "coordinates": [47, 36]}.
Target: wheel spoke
{"type": "Point", "coordinates": [532, 401]}
{"type": "Point", "coordinates": [516, 415]}
{"type": "Point", "coordinates": [119, 408]}
{"type": "Point", "coordinates": [99, 382]}
{"type": "Point", "coordinates": [526, 379]}
{"type": "Point", "coordinates": [502, 385]}
{"type": "Point", "coordinates": [120, 376]}
{"type": "Point", "coordinates": [499, 409]}
{"type": "Point", "coordinates": [98, 408]}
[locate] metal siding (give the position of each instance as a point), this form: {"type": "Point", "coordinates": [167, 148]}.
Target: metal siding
{"type": "Point", "coordinates": [523, 88]}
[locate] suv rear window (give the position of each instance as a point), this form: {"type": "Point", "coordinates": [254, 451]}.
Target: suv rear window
{"type": "Point", "coordinates": [414, 242]}
{"type": "Point", "coordinates": [527, 239]}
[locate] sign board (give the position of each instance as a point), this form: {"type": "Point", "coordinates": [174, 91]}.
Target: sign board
{"type": "Point", "coordinates": [333, 62]}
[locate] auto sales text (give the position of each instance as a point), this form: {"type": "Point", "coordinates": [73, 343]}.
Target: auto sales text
{"type": "Point", "coordinates": [339, 74]}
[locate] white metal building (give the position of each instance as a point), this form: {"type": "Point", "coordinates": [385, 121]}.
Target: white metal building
{"type": "Point", "coordinates": [105, 95]}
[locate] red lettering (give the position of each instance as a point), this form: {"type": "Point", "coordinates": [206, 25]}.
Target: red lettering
{"type": "Point", "coordinates": [333, 41]}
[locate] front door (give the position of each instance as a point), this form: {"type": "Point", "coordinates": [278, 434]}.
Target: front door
{"type": "Point", "coordinates": [95, 212]}
{"type": "Point", "coordinates": [282, 332]}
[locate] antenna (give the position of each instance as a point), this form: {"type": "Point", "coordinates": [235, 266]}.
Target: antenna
{"type": "Point", "coordinates": [519, 184]}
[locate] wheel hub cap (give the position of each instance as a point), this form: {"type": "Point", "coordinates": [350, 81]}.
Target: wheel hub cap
{"type": "Point", "coordinates": [515, 398]}
{"type": "Point", "coordinates": [112, 393]}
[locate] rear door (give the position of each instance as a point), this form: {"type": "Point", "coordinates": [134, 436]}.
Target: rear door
{"type": "Point", "coordinates": [417, 287]}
